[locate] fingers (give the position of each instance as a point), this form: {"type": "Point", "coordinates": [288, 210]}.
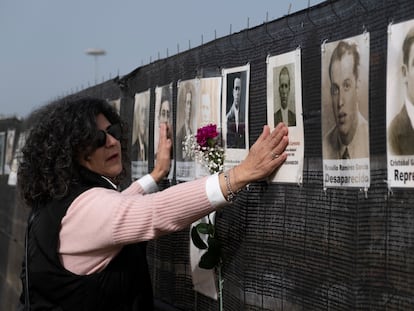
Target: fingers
{"type": "Point", "coordinates": [278, 154]}
{"type": "Point", "coordinates": [163, 130]}
{"type": "Point", "coordinates": [163, 155]}
{"type": "Point", "coordinates": [278, 132]}
{"type": "Point", "coordinates": [273, 143]}
{"type": "Point", "coordinates": [266, 154]}
{"type": "Point", "coordinates": [265, 134]}
{"type": "Point", "coordinates": [280, 147]}
{"type": "Point", "coordinates": [165, 133]}
{"type": "Point", "coordinates": [278, 142]}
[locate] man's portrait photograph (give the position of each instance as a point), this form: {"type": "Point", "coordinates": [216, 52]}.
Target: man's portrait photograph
{"type": "Point", "coordinates": [345, 112]}
{"type": "Point", "coordinates": [345, 130]}
{"type": "Point", "coordinates": [284, 104]}
{"type": "Point", "coordinates": [235, 113]}
{"type": "Point", "coordinates": [284, 94]}
{"type": "Point", "coordinates": [400, 103]}
{"type": "Point", "coordinates": [140, 135]}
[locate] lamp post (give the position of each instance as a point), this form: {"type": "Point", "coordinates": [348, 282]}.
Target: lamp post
{"type": "Point", "coordinates": [95, 53]}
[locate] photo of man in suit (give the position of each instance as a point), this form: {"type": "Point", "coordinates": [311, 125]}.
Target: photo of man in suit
{"type": "Point", "coordinates": [140, 127]}
{"type": "Point", "coordinates": [236, 136]}
{"type": "Point", "coordinates": [401, 130]}
{"type": "Point", "coordinates": [282, 103]}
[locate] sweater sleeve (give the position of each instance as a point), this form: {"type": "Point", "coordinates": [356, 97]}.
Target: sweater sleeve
{"type": "Point", "coordinates": [145, 184]}
{"type": "Point", "coordinates": [100, 221]}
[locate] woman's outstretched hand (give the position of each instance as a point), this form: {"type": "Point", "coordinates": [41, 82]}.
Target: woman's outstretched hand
{"type": "Point", "coordinates": [163, 160]}
{"type": "Point", "coordinates": [266, 154]}
{"type": "Point", "coordinates": [264, 157]}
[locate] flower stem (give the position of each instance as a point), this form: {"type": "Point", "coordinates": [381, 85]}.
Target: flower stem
{"type": "Point", "coordinates": [220, 283]}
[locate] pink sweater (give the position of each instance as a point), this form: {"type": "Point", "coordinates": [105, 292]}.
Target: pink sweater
{"type": "Point", "coordinates": [100, 221]}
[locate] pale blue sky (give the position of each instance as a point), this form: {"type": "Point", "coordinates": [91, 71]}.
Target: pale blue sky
{"type": "Point", "coordinates": [43, 42]}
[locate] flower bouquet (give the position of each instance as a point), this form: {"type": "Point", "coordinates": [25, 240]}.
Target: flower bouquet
{"type": "Point", "coordinates": [205, 148]}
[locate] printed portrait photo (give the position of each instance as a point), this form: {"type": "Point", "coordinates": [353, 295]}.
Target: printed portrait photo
{"type": "Point", "coordinates": [400, 86]}
{"type": "Point", "coordinates": [284, 95]}
{"type": "Point", "coordinates": [209, 106]}
{"type": "Point", "coordinates": [187, 103]}
{"type": "Point", "coordinates": [284, 104]}
{"type": "Point", "coordinates": [345, 128]}
{"type": "Point", "coordinates": [345, 113]}
{"type": "Point", "coordinates": [236, 110]}
{"type": "Point", "coordinates": [400, 104]}
{"type": "Point", "coordinates": [140, 127]}
{"type": "Point", "coordinates": [163, 110]}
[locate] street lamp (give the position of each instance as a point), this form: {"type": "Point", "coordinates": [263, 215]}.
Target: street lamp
{"type": "Point", "coordinates": [95, 53]}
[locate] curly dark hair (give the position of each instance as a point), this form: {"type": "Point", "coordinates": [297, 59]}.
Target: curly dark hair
{"type": "Point", "coordinates": [61, 132]}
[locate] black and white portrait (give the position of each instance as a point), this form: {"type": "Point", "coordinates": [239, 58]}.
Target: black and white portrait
{"type": "Point", "coordinates": [284, 94]}
{"type": "Point", "coordinates": [163, 110]}
{"type": "Point", "coordinates": [140, 135]}
{"type": "Point", "coordinates": [400, 104]}
{"type": "Point", "coordinates": [345, 127]}
{"type": "Point", "coordinates": [284, 104]}
{"type": "Point", "coordinates": [187, 103]}
{"type": "Point", "coordinates": [345, 118]}
{"type": "Point", "coordinates": [235, 112]}
{"type": "Point", "coordinates": [236, 103]}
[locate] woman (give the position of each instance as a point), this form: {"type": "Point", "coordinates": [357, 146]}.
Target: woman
{"type": "Point", "coordinates": [86, 240]}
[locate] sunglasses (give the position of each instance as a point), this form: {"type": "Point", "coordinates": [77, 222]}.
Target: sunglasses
{"type": "Point", "coordinates": [114, 130]}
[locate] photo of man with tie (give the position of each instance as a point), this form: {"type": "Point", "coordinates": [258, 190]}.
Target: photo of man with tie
{"type": "Point", "coordinates": [284, 99]}
{"type": "Point", "coordinates": [401, 129]}
{"type": "Point", "coordinates": [140, 127]}
{"type": "Point", "coordinates": [348, 138]}
{"type": "Point", "coordinates": [236, 136]}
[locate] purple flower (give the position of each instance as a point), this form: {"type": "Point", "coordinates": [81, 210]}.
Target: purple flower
{"type": "Point", "coordinates": [206, 135]}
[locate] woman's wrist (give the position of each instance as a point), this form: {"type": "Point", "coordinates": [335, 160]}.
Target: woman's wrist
{"type": "Point", "coordinates": [238, 178]}
{"type": "Point", "coordinates": [158, 175]}
{"type": "Point", "coordinates": [231, 184]}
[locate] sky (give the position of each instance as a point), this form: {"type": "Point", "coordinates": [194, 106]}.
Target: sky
{"type": "Point", "coordinates": [43, 42]}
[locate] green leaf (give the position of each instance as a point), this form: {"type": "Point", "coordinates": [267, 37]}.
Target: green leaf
{"type": "Point", "coordinates": [211, 142]}
{"type": "Point", "coordinates": [197, 241]}
{"type": "Point", "coordinates": [205, 228]}
{"type": "Point", "coordinates": [214, 247]}
{"type": "Point", "coordinates": [208, 261]}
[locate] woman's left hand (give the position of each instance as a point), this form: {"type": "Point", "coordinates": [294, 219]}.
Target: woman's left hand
{"type": "Point", "coordinates": [163, 159]}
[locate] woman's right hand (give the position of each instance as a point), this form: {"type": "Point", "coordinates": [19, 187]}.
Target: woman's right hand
{"type": "Point", "coordinates": [264, 157]}
{"type": "Point", "coordinates": [163, 160]}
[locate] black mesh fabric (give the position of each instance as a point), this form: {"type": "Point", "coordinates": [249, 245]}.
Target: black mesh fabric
{"type": "Point", "coordinates": [300, 247]}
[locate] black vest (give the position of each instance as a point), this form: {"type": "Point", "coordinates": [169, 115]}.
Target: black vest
{"type": "Point", "coordinates": [123, 285]}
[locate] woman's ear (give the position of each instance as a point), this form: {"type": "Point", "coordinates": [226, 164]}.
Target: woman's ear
{"type": "Point", "coordinates": [84, 159]}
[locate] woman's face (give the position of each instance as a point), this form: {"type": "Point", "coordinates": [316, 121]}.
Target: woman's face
{"type": "Point", "coordinates": [107, 159]}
